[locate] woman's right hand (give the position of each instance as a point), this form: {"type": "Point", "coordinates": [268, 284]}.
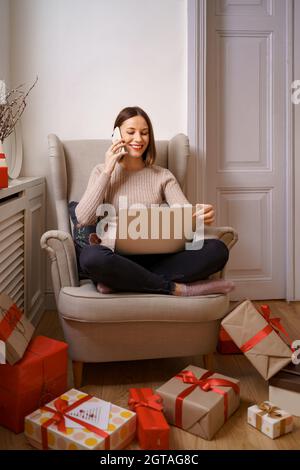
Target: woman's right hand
{"type": "Point", "coordinates": [112, 155]}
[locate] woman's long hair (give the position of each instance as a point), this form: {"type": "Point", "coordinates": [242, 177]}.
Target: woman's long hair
{"type": "Point", "coordinates": [149, 155]}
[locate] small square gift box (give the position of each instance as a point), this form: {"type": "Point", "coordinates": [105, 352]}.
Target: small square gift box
{"type": "Point", "coordinates": [152, 428]}
{"type": "Point", "coordinates": [284, 389]}
{"type": "Point", "coordinates": [37, 378]}
{"type": "Point", "coordinates": [78, 421]}
{"type": "Point", "coordinates": [258, 336]}
{"type": "Point", "coordinates": [199, 401]}
{"type": "Point", "coordinates": [15, 330]}
{"type": "Point", "coordinates": [270, 419]}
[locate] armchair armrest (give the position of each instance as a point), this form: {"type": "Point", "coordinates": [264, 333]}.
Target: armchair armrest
{"type": "Point", "coordinates": [61, 250]}
{"type": "Point", "coordinates": [227, 234]}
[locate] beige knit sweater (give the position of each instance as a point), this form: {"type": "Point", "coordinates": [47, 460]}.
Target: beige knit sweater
{"type": "Point", "coordinates": [150, 185]}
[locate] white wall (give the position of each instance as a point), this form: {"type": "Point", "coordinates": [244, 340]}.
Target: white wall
{"type": "Point", "coordinates": [4, 41]}
{"type": "Point", "coordinates": [94, 57]}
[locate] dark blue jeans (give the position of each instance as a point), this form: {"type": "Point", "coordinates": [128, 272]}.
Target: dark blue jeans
{"type": "Point", "coordinates": [151, 273]}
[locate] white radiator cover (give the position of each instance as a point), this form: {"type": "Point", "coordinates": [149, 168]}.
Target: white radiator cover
{"type": "Point", "coordinates": [22, 261]}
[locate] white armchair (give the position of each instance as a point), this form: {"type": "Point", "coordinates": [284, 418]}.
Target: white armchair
{"type": "Point", "coordinates": [122, 326]}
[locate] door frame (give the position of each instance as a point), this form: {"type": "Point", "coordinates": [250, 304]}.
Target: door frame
{"type": "Point", "coordinates": [196, 97]}
{"type": "Point", "coordinates": [196, 116]}
{"type": "Point", "coordinates": [296, 149]}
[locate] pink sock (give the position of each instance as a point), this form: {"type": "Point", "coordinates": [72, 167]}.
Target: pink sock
{"type": "Point", "coordinates": [209, 286]}
{"type": "Point", "coordinates": [103, 289]}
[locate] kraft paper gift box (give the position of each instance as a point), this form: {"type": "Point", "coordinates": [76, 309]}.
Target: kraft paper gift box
{"type": "Point", "coordinates": [225, 344]}
{"type": "Point", "coordinates": [15, 329]}
{"type": "Point", "coordinates": [40, 376]}
{"type": "Point", "coordinates": [153, 430]}
{"type": "Point", "coordinates": [255, 334]}
{"type": "Point", "coordinates": [284, 389]}
{"type": "Point", "coordinates": [52, 426]}
{"type": "Point", "coordinates": [199, 401]}
{"type": "Point", "coordinates": [270, 420]}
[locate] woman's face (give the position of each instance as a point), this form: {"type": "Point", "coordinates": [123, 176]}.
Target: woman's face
{"type": "Point", "coordinates": [135, 132]}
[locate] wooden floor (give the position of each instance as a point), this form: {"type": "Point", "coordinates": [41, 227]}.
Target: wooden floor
{"type": "Point", "coordinates": [111, 381]}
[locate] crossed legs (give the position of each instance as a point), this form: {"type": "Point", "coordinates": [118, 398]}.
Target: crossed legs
{"type": "Point", "coordinates": [152, 273]}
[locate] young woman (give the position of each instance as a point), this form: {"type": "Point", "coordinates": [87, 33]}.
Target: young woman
{"type": "Point", "coordinates": [136, 176]}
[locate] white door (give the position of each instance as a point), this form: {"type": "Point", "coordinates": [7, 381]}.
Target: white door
{"type": "Point", "coordinates": [246, 93]}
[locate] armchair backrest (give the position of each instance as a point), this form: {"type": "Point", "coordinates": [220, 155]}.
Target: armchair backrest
{"type": "Point", "coordinates": [72, 161]}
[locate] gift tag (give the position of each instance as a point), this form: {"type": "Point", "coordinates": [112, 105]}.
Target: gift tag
{"type": "Point", "coordinates": [2, 352]}
{"type": "Point", "coordinates": [96, 413]}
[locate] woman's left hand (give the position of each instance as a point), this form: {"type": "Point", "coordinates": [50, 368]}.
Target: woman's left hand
{"type": "Point", "coordinates": [206, 212]}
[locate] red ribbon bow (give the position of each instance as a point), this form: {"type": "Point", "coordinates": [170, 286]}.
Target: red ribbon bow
{"type": "Point", "coordinates": [274, 324]}
{"type": "Point", "coordinates": [206, 384]}
{"type": "Point", "coordinates": [60, 412]}
{"type": "Point", "coordinates": [154, 402]}
{"type": "Point", "coordinates": [10, 321]}
{"type": "Point", "coordinates": [61, 408]}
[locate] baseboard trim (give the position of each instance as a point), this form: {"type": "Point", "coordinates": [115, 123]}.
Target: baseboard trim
{"type": "Point", "coordinates": [36, 318]}
{"type": "Point", "coordinates": [50, 303]}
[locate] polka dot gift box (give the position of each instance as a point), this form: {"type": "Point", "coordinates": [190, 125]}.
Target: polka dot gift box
{"type": "Point", "coordinates": [270, 419]}
{"type": "Point", "coordinates": [47, 428]}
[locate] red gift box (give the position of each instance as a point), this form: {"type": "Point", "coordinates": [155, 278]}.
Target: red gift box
{"type": "Point", "coordinates": [152, 428]}
{"type": "Point", "coordinates": [226, 344]}
{"type": "Point", "coordinates": [39, 377]}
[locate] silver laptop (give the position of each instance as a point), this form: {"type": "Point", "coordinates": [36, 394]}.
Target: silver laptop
{"type": "Point", "coordinates": [155, 230]}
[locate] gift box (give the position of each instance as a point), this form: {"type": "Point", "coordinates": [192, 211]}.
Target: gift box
{"type": "Point", "coordinates": [55, 426]}
{"type": "Point", "coordinates": [257, 336]}
{"type": "Point", "coordinates": [199, 401]}
{"type": "Point", "coordinates": [226, 345]}
{"type": "Point", "coordinates": [152, 428]}
{"type": "Point", "coordinates": [270, 419]}
{"type": "Point", "coordinates": [284, 389]}
{"type": "Point", "coordinates": [40, 376]}
{"type": "Point", "coordinates": [15, 329]}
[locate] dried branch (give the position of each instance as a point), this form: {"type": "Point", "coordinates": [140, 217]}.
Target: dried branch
{"type": "Point", "coordinates": [12, 109]}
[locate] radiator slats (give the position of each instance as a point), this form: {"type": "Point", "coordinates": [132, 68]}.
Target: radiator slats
{"type": "Point", "coordinates": [11, 250]}
{"type": "Point", "coordinates": [17, 255]}
{"type": "Point", "coordinates": [12, 257]}
{"type": "Point", "coordinates": [6, 233]}
{"type": "Point", "coordinates": [19, 298]}
{"type": "Point", "coordinates": [11, 268]}
{"type": "Point", "coordinates": [11, 220]}
{"type": "Point", "coordinates": [7, 242]}
{"type": "Point", "coordinates": [7, 282]}
{"type": "Point", "coordinates": [16, 287]}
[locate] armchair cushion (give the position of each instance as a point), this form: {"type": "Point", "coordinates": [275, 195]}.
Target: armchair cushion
{"type": "Point", "coordinates": [122, 307]}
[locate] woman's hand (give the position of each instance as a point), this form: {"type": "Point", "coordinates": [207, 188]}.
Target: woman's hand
{"type": "Point", "coordinates": [112, 155]}
{"type": "Point", "coordinates": [206, 212]}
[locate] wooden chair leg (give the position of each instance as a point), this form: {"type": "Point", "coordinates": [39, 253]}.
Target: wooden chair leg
{"type": "Point", "coordinates": [77, 373]}
{"type": "Point", "coordinates": [208, 360]}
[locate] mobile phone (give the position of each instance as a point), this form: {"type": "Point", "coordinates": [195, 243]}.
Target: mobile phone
{"type": "Point", "coordinates": [117, 136]}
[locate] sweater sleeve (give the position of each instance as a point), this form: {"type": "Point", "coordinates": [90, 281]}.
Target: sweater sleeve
{"type": "Point", "coordinates": [93, 196]}
{"type": "Point", "coordinates": [172, 191]}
